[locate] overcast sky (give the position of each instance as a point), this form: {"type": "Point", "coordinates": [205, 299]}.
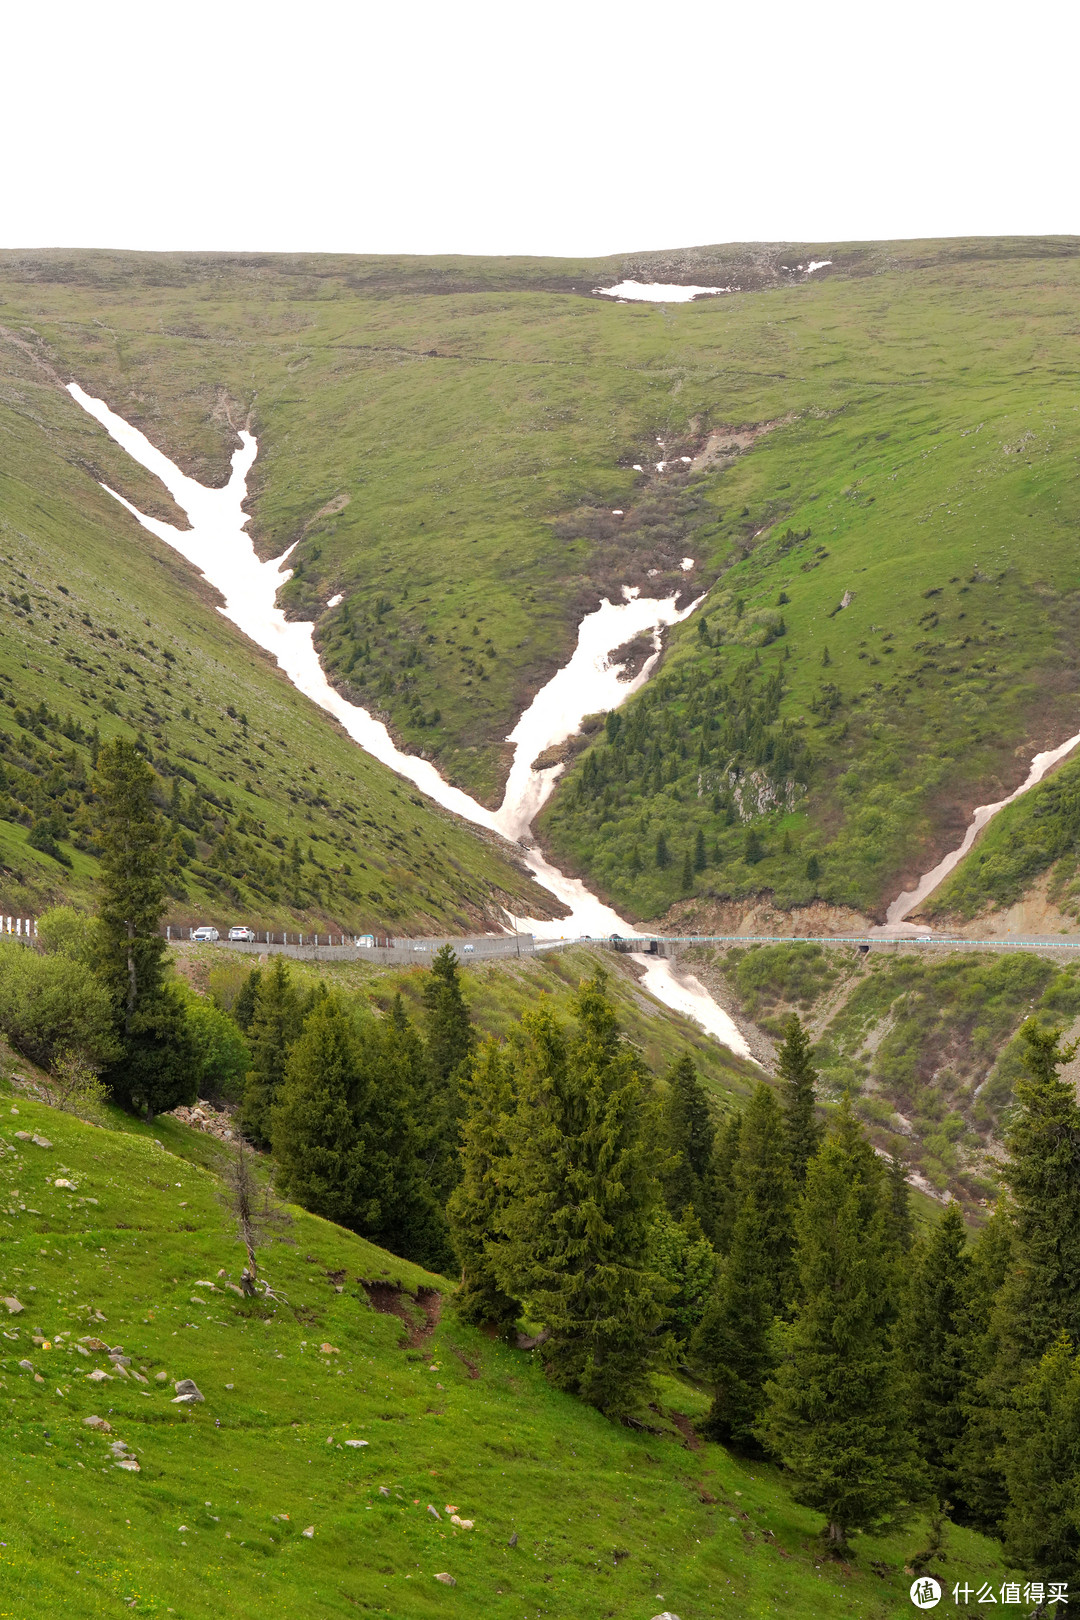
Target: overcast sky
{"type": "Point", "coordinates": [543, 128]}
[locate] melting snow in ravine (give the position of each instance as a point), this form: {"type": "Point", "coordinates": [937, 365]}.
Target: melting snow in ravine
{"type": "Point", "coordinates": [218, 546]}
{"type": "Point", "coordinates": [657, 292]}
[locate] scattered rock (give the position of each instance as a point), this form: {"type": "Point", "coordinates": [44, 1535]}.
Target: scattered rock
{"type": "Point", "coordinates": [161, 1378]}
{"type": "Point", "coordinates": [27, 1366]}
{"type": "Point", "coordinates": [81, 1349]}
{"type": "Point", "coordinates": [94, 1344]}
{"type": "Point", "coordinates": [187, 1390]}
{"type": "Point", "coordinates": [120, 1448]}
{"type": "Point", "coordinates": [235, 1288]}
{"type": "Point", "coordinates": [329, 1350]}
{"type": "Point", "coordinates": [309, 1532]}
{"type": "Point", "coordinates": [70, 1185]}
{"type": "Point", "coordinates": [186, 1400]}
{"type": "Point", "coordinates": [356, 1444]}
{"type": "Point", "coordinates": [513, 1540]}
{"type": "Point", "coordinates": [41, 1141]}
{"type": "Point", "coordinates": [435, 1514]}
{"type": "Point", "coordinates": [13, 1306]}
{"type": "Point", "coordinates": [462, 1524]}
{"type": "Point", "coordinates": [22, 1136]}
{"type": "Point", "coordinates": [98, 1423]}
{"type": "Point", "coordinates": [139, 1377]}
{"type": "Point", "coordinates": [667, 1615]}
{"type": "Point", "coordinates": [38, 1378]}
{"type": "Point", "coordinates": [97, 1376]}
{"type": "Point", "coordinates": [447, 1580]}
{"type": "Point", "coordinates": [129, 1465]}
{"type": "Point", "coordinates": [384, 1492]}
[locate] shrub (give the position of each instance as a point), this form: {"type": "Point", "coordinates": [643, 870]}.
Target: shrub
{"type": "Point", "coordinates": [51, 1004]}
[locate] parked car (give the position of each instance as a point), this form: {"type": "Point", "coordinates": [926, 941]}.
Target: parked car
{"type": "Point", "coordinates": [365, 942]}
{"type": "Point", "coordinates": [468, 948]}
{"type": "Point", "coordinates": [205, 935]}
{"type": "Point", "coordinates": [420, 947]}
{"type": "Point", "coordinates": [246, 935]}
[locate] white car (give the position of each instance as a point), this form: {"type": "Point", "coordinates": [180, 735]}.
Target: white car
{"type": "Point", "coordinates": [205, 935]}
{"type": "Point", "coordinates": [468, 949]}
{"type": "Point", "coordinates": [246, 935]}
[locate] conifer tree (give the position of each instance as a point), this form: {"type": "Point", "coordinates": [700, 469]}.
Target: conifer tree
{"type": "Point", "coordinates": [835, 1413]}
{"type": "Point", "coordinates": [756, 1280]}
{"type": "Point", "coordinates": [243, 1008]}
{"type": "Point", "coordinates": [722, 1181]}
{"type": "Point", "coordinates": [344, 1132]}
{"type": "Point", "coordinates": [681, 1254]}
{"type": "Point", "coordinates": [691, 1141]}
{"type": "Point", "coordinates": [1042, 1466]}
{"type": "Point", "coordinates": [934, 1334]}
{"type": "Point", "coordinates": [978, 1497]}
{"type": "Point", "coordinates": [450, 1042]}
{"type": "Point", "coordinates": [154, 1071]}
{"type": "Point", "coordinates": [583, 1186]}
{"type": "Point", "coordinates": [798, 1078]}
{"type": "Point", "coordinates": [132, 901]}
{"type": "Point", "coordinates": [276, 1023]}
{"type": "Point", "coordinates": [317, 1144]}
{"type": "Point", "coordinates": [450, 1034]}
{"type": "Point", "coordinates": [899, 1223]}
{"type": "Point", "coordinates": [477, 1204]}
{"type": "Point", "coordinates": [1041, 1297]}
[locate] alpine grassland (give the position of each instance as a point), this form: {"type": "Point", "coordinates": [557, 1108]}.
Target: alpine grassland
{"type": "Point", "coordinates": [252, 1503]}
{"type": "Point", "coordinates": [275, 815]}
{"type": "Point", "coordinates": [452, 446]}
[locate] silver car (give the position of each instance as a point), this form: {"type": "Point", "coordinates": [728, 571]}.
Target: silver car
{"type": "Point", "coordinates": [245, 935]}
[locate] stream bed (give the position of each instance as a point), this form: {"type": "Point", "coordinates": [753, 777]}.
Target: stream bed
{"type": "Point", "coordinates": [218, 545]}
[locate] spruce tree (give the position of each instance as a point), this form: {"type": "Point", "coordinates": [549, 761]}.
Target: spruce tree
{"type": "Point", "coordinates": [1041, 1297]}
{"type": "Point", "coordinates": [978, 1497]}
{"type": "Point", "coordinates": [276, 1023]}
{"type": "Point", "coordinates": [756, 1279]}
{"type": "Point", "coordinates": [680, 1253]}
{"type": "Point", "coordinates": [722, 1183]}
{"type": "Point", "coordinates": [243, 1008]}
{"type": "Point", "coordinates": [899, 1223]}
{"type": "Point", "coordinates": [835, 1414]}
{"type": "Point", "coordinates": [344, 1132]}
{"type": "Point", "coordinates": [317, 1145]}
{"type": "Point", "coordinates": [583, 1186]}
{"type": "Point", "coordinates": [477, 1204]}
{"type": "Point", "coordinates": [1042, 1466]}
{"type": "Point", "coordinates": [132, 901]}
{"type": "Point", "coordinates": [691, 1142]}
{"type": "Point", "coordinates": [450, 1042]}
{"type": "Point", "coordinates": [798, 1078]}
{"type": "Point", "coordinates": [934, 1335]}
{"type": "Point", "coordinates": [155, 1070]}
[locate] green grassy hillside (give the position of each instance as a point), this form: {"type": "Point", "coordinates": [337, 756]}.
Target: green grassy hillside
{"type": "Point", "coordinates": [447, 440]}
{"type": "Point", "coordinates": [252, 1503]}
{"type": "Point", "coordinates": [276, 815]}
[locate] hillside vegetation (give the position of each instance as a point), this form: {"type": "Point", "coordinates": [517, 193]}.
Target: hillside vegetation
{"type": "Point", "coordinates": [275, 814]}
{"type": "Point", "coordinates": [926, 1044]}
{"type": "Point", "coordinates": [448, 443]}
{"type": "Point", "coordinates": [605, 1520]}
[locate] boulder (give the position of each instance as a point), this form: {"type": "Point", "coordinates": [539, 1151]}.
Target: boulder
{"type": "Point", "coordinates": [41, 1141]}
{"type": "Point", "coordinates": [187, 1389]}
{"type": "Point", "coordinates": [13, 1306]}
{"type": "Point", "coordinates": [98, 1423]}
{"type": "Point", "coordinates": [447, 1580]}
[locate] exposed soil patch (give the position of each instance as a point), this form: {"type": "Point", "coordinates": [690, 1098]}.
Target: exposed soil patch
{"type": "Point", "coordinates": [472, 1366]}
{"type": "Point", "coordinates": [420, 1312]}
{"type": "Point", "coordinates": [687, 1430]}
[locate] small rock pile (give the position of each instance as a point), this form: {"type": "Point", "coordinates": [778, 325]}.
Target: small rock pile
{"type": "Point", "coordinates": [205, 1117]}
